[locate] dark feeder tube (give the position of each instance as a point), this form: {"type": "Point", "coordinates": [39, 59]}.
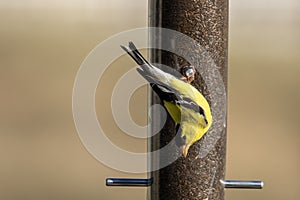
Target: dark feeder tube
{"type": "Point", "coordinates": [198, 175]}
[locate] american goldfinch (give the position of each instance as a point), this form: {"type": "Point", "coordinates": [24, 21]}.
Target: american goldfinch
{"type": "Point", "coordinates": [185, 104]}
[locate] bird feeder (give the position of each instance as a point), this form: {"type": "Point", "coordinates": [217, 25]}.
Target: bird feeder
{"type": "Point", "coordinates": [201, 175]}
{"type": "Point", "coordinates": [198, 175]}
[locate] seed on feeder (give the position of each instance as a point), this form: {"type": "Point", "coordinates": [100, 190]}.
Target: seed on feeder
{"type": "Point", "coordinates": [188, 73]}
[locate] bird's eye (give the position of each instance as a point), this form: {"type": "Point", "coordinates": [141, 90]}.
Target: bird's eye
{"type": "Point", "coordinates": [189, 72]}
{"type": "Point", "coordinates": [179, 141]}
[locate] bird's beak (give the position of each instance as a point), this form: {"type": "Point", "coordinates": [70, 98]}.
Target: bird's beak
{"type": "Point", "coordinates": [184, 150]}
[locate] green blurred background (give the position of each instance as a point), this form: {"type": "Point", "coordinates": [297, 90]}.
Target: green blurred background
{"type": "Point", "coordinates": [42, 45]}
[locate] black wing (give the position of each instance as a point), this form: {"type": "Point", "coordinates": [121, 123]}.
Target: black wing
{"type": "Point", "coordinates": [168, 94]}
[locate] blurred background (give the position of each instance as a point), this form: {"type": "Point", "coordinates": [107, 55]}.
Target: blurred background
{"type": "Point", "coordinates": [43, 43]}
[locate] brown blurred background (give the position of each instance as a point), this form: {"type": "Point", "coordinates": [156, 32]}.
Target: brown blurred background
{"type": "Point", "coordinates": [42, 44]}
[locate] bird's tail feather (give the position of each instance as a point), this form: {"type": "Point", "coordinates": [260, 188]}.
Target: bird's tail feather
{"type": "Point", "coordinates": [144, 74]}
{"type": "Point", "coordinates": [135, 54]}
{"type": "Point", "coordinates": [148, 71]}
{"type": "Point", "coordinates": [138, 58]}
{"type": "Point", "coordinates": [133, 48]}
